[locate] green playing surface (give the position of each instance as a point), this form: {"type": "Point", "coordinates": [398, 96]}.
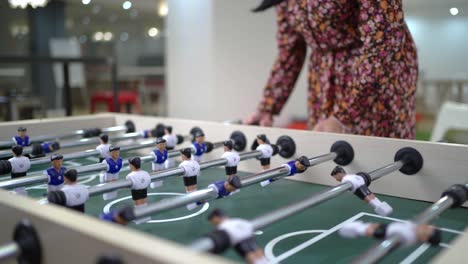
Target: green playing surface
{"type": "Point", "coordinates": [308, 237]}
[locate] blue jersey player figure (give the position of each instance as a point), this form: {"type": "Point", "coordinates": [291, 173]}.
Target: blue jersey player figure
{"type": "Point", "coordinates": [114, 165]}
{"type": "Point", "coordinates": [199, 146]}
{"type": "Point", "coordinates": [55, 173]}
{"type": "Point", "coordinates": [298, 165]}
{"type": "Point", "coordinates": [22, 139]}
{"type": "Point", "coordinates": [226, 187]}
{"type": "Point", "coordinates": [160, 157]}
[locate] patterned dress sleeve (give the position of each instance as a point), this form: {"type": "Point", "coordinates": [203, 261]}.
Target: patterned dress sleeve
{"type": "Point", "coordinates": [288, 64]}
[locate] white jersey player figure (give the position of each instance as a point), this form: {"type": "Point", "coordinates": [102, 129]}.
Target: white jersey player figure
{"type": "Point", "coordinates": [171, 142]}
{"type": "Point", "coordinates": [241, 235]}
{"type": "Point", "coordinates": [140, 181]}
{"type": "Point", "coordinates": [266, 149]}
{"type": "Point", "coordinates": [191, 172]}
{"type": "Point", "coordinates": [114, 165]}
{"type": "Point", "coordinates": [199, 146]}
{"type": "Point", "coordinates": [160, 157]}
{"type": "Point", "coordinates": [409, 232]}
{"type": "Point", "coordinates": [360, 182]}
{"type": "Point", "coordinates": [103, 148]}
{"type": "Point", "coordinates": [72, 195]}
{"type": "Point", "coordinates": [19, 166]}
{"type": "Point", "coordinates": [232, 158]}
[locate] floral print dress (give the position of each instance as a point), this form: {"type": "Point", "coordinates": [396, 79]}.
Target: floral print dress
{"type": "Point", "coordinates": [362, 69]}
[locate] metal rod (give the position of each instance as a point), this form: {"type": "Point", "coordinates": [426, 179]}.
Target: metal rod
{"type": "Point", "coordinates": [78, 143]}
{"type": "Point", "coordinates": [210, 193]}
{"type": "Point", "coordinates": [205, 244]}
{"type": "Point", "coordinates": [93, 152]}
{"type": "Point", "coordinates": [67, 90]}
{"type": "Point", "coordinates": [40, 139]}
{"type": "Point", "coordinates": [163, 174]}
{"type": "Point", "coordinates": [8, 251]}
{"type": "Point", "coordinates": [380, 250]}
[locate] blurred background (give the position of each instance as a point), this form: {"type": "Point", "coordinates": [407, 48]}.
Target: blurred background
{"type": "Point", "coordinates": [204, 59]}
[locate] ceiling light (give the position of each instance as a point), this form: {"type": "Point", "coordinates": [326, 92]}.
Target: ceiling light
{"type": "Point", "coordinates": [454, 11]}
{"type": "Point", "coordinates": [127, 5]}
{"type": "Point", "coordinates": [153, 32]}
{"type": "Point", "coordinates": [98, 36]}
{"type": "Point", "coordinates": [85, 2]}
{"type": "Point", "coordinates": [163, 9]}
{"type": "Point", "coordinates": [108, 36]}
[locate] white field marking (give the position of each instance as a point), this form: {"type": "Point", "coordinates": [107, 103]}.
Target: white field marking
{"type": "Point", "coordinates": [444, 245]}
{"type": "Point", "coordinates": [269, 247]}
{"type": "Point", "coordinates": [310, 242]}
{"type": "Point", "coordinates": [205, 207]}
{"type": "Point", "coordinates": [400, 220]}
{"type": "Point", "coordinates": [415, 254]}
{"type": "Point", "coordinates": [93, 159]}
{"type": "Point", "coordinates": [71, 163]}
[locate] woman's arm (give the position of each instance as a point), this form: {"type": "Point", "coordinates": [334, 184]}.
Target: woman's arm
{"type": "Point", "coordinates": [292, 50]}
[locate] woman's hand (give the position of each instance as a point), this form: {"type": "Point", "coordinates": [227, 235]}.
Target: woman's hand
{"type": "Point", "coordinates": [330, 124]}
{"type": "Point", "coordinates": [258, 118]}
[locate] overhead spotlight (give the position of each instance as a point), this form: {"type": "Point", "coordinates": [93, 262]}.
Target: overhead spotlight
{"type": "Point", "coordinates": [86, 2]}
{"type": "Point", "coordinates": [454, 11]}
{"type": "Point", "coordinates": [153, 32]}
{"type": "Point", "coordinates": [127, 5]}
{"type": "Point", "coordinates": [108, 36]}
{"type": "Point", "coordinates": [163, 9]}
{"type": "Point", "coordinates": [24, 3]}
{"type": "Point", "coordinates": [98, 36]}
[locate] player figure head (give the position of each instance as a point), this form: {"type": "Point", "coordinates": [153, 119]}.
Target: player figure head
{"type": "Point", "coordinates": [70, 176]}
{"type": "Point", "coordinates": [302, 163]}
{"type": "Point", "coordinates": [200, 137]}
{"type": "Point", "coordinates": [134, 163]}
{"type": "Point", "coordinates": [168, 130]}
{"type": "Point", "coordinates": [216, 217]}
{"type": "Point", "coordinates": [228, 145]}
{"type": "Point", "coordinates": [338, 173]}
{"type": "Point", "coordinates": [104, 138]}
{"type": "Point", "coordinates": [114, 152]}
{"type": "Point", "coordinates": [261, 139]}
{"type": "Point", "coordinates": [161, 144]}
{"type": "Point", "coordinates": [56, 161]}
{"type": "Point", "coordinates": [17, 150]}
{"type": "Point", "coordinates": [22, 132]}
{"type": "Point", "coordinates": [186, 153]}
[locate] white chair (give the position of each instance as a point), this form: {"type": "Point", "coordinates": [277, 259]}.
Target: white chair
{"type": "Point", "coordinates": [451, 116]}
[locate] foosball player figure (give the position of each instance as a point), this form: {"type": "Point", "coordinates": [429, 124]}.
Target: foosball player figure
{"type": "Point", "coordinates": [360, 181]}
{"type": "Point", "coordinates": [409, 232]}
{"type": "Point", "coordinates": [226, 187]}
{"type": "Point", "coordinates": [140, 181]}
{"type": "Point", "coordinates": [266, 149]}
{"type": "Point", "coordinates": [55, 173]}
{"type": "Point", "coordinates": [72, 195]}
{"type": "Point", "coordinates": [21, 139]}
{"type": "Point", "coordinates": [239, 233]}
{"type": "Point", "coordinates": [103, 147]}
{"type": "Point", "coordinates": [19, 166]}
{"type": "Point", "coordinates": [199, 146]}
{"type": "Point", "coordinates": [232, 159]}
{"type": "Point", "coordinates": [114, 164]}
{"type": "Point", "coordinates": [191, 172]}
{"type": "Point", "coordinates": [160, 157]}
{"type": "Point", "coordinates": [298, 165]}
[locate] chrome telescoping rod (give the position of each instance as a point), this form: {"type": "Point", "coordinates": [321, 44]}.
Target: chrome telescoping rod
{"type": "Point", "coordinates": [77, 143]}
{"type": "Point", "coordinates": [164, 174]}
{"type": "Point", "coordinates": [407, 160]}
{"type": "Point", "coordinates": [81, 132]}
{"type": "Point", "coordinates": [381, 249]}
{"type": "Point", "coordinates": [210, 193]}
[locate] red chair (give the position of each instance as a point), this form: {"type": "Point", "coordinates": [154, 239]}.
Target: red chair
{"type": "Point", "coordinates": [127, 98]}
